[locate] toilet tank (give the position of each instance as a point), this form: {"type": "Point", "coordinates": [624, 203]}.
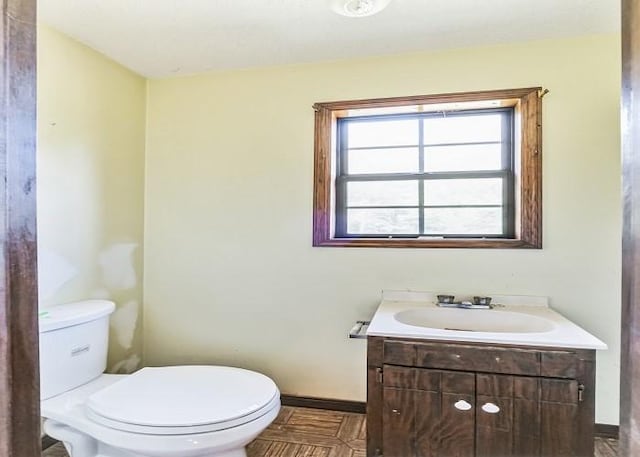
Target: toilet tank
{"type": "Point", "coordinates": [73, 344]}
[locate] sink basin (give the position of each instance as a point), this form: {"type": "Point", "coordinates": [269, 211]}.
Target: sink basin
{"type": "Point", "coordinates": [490, 321]}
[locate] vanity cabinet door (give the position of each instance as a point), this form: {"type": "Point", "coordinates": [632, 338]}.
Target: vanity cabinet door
{"type": "Point", "coordinates": [428, 413]}
{"type": "Point", "coordinates": [398, 419]}
{"type": "Point", "coordinates": [526, 417]}
{"type": "Point", "coordinates": [559, 416]}
{"type": "Point", "coordinates": [507, 416]}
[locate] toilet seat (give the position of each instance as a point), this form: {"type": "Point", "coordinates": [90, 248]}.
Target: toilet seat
{"type": "Point", "coordinates": [183, 400]}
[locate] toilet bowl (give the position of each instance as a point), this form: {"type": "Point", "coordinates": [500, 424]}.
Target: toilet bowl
{"type": "Point", "coordinates": [186, 411]}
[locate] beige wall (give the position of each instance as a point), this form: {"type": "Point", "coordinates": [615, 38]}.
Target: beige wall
{"type": "Point", "coordinates": [230, 274]}
{"type": "Point", "coordinates": [91, 135]}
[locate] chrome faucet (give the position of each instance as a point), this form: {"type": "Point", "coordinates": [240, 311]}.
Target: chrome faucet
{"type": "Point", "coordinates": [448, 301]}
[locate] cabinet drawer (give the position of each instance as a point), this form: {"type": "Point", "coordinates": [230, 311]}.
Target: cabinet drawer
{"type": "Point", "coordinates": [463, 358]}
{"type": "Point", "coordinates": [559, 364]}
{"type": "Point", "coordinates": [429, 380]}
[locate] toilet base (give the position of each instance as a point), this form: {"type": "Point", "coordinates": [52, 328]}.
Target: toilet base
{"type": "Point", "coordinates": [233, 453]}
{"type": "Point", "coordinates": [66, 420]}
{"type": "Point", "coordinates": [79, 449]}
{"type": "Point", "coordinates": [74, 451]}
{"type": "Point", "coordinates": [78, 444]}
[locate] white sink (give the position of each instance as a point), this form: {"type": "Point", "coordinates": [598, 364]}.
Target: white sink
{"type": "Point", "coordinates": [465, 320]}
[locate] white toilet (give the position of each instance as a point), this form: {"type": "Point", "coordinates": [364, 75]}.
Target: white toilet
{"type": "Point", "coordinates": [186, 411]}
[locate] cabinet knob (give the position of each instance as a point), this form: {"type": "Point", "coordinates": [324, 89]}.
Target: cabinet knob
{"type": "Point", "coordinates": [490, 408]}
{"type": "Point", "coordinates": [462, 405]}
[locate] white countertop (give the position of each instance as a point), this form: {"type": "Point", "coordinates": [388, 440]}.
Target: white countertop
{"type": "Point", "coordinates": [563, 332]}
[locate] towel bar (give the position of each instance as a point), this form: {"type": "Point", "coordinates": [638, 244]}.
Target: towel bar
{"type": "Point", "coordinates": [359, 330]}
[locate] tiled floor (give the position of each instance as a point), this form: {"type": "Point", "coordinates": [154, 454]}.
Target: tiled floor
{"type": "Point", "coordinates": [606, 447]}
{"type": "Point", "coordinates": [303, 432]}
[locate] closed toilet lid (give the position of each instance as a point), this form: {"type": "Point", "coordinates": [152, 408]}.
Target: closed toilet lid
{"type": "Point", "coordinates": [183, 399]}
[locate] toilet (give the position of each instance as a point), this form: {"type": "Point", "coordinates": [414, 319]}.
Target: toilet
{"type": "Point", "coordinates": [186, 411]}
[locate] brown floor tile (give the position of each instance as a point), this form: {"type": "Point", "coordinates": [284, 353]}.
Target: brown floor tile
{"type": "Point", "coordinates": [606, 447]}
{"type": "Point", "coordinates": [321, 452]}
{"type": "Point", "coordinates": [284, 415]}
{"type": "Point", "coordinates": [258, 448]}
{"type": "Point", "coordinates": [276, 449]}
{"type": "Point", "coordinates": [363, 431]}
{"type": "Point", "coordinates": [55, 451]}
{"type": "Point", "coordinates": [285, 433]}
{"type": "Point", "coordinates": [308, 451]}
{"type": "Point", "coordinates": [350, 427]}
{"type": "Point", "coordinates": [316, 421]}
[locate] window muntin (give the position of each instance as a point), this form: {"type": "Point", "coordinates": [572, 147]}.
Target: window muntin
{"type": "Point", "coordinates": [429, 174]}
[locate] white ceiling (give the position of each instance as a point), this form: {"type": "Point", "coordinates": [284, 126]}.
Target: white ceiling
{"type": "Point", "coordinates": [158, 38]}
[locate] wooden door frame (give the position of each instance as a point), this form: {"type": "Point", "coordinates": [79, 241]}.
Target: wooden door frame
{"type": "Point", "coordinates": [19, 376]}
{"type": "Point", "coordinates": [630, 343]}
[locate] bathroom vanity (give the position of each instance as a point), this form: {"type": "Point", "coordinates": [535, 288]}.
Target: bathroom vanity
{"type": "Point", "coordinates": [439, 387]}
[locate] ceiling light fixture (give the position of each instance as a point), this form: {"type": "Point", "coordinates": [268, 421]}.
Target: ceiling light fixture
{"type": "Point", "coordinates": [359, 8]}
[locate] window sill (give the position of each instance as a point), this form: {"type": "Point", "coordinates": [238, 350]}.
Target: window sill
{"type": "Point", "coordinates": [449, 243]}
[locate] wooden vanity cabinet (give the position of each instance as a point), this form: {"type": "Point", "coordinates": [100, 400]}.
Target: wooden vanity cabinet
{"type": "Point", "coordinates": [466, 400]}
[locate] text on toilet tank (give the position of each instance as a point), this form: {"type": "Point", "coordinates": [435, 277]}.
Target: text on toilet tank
{"type": "Point", "coordinates": [80, 350]}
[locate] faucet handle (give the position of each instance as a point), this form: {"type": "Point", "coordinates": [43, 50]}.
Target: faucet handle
{"type": "Point", "coordinates": [446, 299]}
{"type": "Point", "coordinates": [481, 300]}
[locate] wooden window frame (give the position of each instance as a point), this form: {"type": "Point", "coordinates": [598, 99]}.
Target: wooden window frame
{"type": "Point", "coordinates": [527, 103]}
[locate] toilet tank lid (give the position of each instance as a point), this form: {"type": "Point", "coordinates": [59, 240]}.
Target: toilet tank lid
{"type": "Point", "coordinates": [60, 316]}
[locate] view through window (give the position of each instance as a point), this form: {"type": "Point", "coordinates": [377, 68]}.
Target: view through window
{"type": "Point", "coordinates": [431, 174]}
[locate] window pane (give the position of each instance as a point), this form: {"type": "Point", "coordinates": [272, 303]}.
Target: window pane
{"type": "Point", "coordinates": [484, 191]}
{"type": "Point", "coordinates": [405, 160]}
{"type": "Point", "coordinates": [463, 158]}
{"type": "Point", "coordinates": [463, 221]}
{"type": "Point", "coordinates": [378, 221]}
{"type": "Point", "coordinates": [382, 193]}
{"type": "Point", "coordinates": [383, 133]}
{"type": "Point", "coordinates": [463, 129]}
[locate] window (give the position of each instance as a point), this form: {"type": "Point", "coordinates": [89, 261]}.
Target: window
{"type": "Point", "coordinates": [428, 174]}
{"type": "Point", "coordinates": [454, 170]}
